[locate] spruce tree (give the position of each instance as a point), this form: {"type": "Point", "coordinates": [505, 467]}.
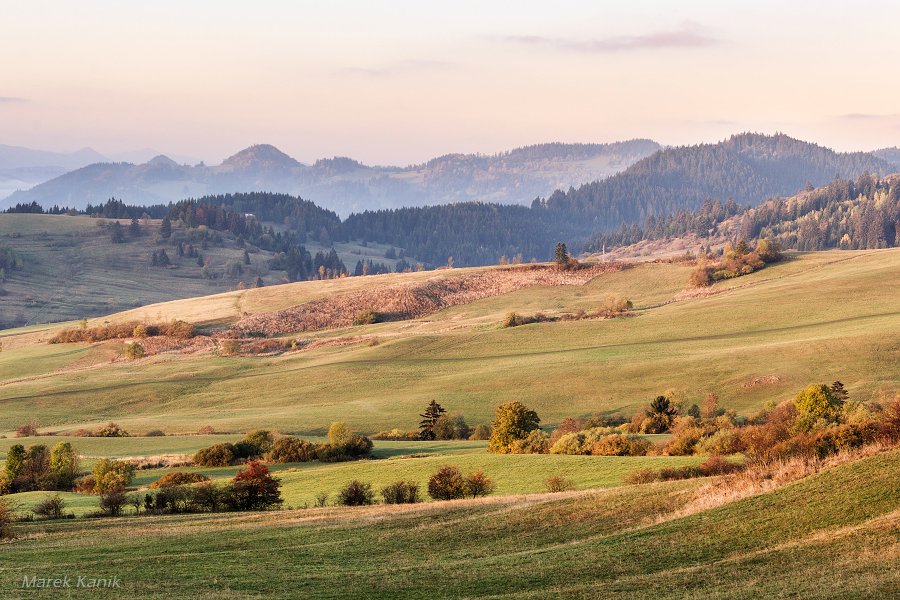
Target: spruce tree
{"type": "Point", "coordinates": [165, 230]}
{"type": "Point", "coordinates": [432, 413]}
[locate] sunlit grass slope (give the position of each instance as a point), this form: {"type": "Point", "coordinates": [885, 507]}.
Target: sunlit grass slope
{"type": "Point", "coordinates": [813, 318]}
{"type": "Point", "coordinates": [831, 535]}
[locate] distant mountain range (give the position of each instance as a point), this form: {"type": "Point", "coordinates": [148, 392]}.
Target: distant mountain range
{"type": "Point", "coordinates": [343, 184]}
{"type": "Point", "coordinates": [23, 168]}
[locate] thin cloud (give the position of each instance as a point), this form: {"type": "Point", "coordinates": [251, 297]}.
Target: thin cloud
{"type": "Point", "coordinates": [689, 35]}
{"type": "Point", "coordinates": [866, 117]}
{"type": "Point", "coordinates": [400, 68]}
{"type": "Point", "coordinates": [11, 99]}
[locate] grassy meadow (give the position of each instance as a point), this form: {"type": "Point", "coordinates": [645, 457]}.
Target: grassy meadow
{"type": "Point", "coordinates": [72, 270]}
{"type": "Point", "coordinates": [815, 317]}
{"type": "Point", "coordinates": [390, 461]}
{"type": "Point", "coordinates": [833, 534]}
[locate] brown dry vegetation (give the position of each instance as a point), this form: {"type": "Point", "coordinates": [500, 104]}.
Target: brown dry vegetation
{"type": "Point", "coordinates": [413, 300]}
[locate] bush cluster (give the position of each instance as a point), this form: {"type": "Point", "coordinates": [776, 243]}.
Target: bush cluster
{"type": "Point", "coordinates": [178, 478]}
{"type": "Point", "coordinates": [252, 488]}
{"type": "Point", "coordinates": [401, 492]}
{"type": "Point", "coordinates": [39, 468]}
{"type": "Point", "coordinates": [714, 465]}
{"type": "Point", "coordinates": [450, 484]}
{"type": "Point", "coordinates": [285, 449]}
{"type": "Point", "coordinates": [175, 328]}
{"type": "Point", "coordinates": [736, 261]}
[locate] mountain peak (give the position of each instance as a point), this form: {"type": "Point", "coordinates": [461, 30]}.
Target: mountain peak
{"type": "Point", "coordinates": [162, 159]}
{"type": "Point", "coordinates": [261, 156]}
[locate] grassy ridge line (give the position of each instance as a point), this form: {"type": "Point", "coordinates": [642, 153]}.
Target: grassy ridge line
{"type": "Point", "coordinates": [830, 535]}
{"type": "Point", "coordinates": [723, 336]}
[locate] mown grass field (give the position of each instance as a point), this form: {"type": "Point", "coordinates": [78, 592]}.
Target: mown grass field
{"type": "Point", "coordinates": [834, 534]}
{"type": "Point", "coordinates": [390, 462]}
{"type": "Point", "coordinates": [816, 317]}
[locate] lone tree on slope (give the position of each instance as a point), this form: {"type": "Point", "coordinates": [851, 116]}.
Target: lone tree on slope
{"type": "Point", "coordinates": [432, 413]}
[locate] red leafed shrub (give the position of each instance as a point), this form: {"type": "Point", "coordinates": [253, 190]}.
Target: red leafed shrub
{"type": "Point", "coordinates": [447, 484]}
{"type": "Point", "coordinates": [253, 488]}
{"type": "Point", "coordinates": [890, 424]}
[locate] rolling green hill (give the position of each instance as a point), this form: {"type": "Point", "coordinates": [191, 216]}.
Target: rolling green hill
{"type": "Point", "coordinates": [814, 317]}
{"type": "Point", "coordinates": [833, 534]}
{"type": "Point", "coordinates": [71, 268]}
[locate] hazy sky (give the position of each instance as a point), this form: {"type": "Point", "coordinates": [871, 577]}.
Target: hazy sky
{"type": "Point", "coordinates": [402, 82]}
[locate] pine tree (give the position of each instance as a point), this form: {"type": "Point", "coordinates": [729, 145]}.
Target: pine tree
{"type": "Point", "coordinates": [165, 230]}
{"type": "Point", "coordinates": [839, 393]}
{"type": "Point", "coordinates": [432, 413]}
{"type": "Point", "coordinates": [562, 254]}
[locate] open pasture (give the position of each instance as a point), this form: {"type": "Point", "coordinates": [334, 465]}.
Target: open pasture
{"type": "Point", "coordinates": [801, 321]}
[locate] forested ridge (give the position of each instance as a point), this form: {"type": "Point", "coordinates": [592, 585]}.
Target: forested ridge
{"type": "Point", "coordinates": [853, 215]}
{"type": "Point", "coordinates": [666, 194]}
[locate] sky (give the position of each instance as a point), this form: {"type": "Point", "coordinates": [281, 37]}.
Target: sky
{"type": "Point", "coordinates": [399, 83]}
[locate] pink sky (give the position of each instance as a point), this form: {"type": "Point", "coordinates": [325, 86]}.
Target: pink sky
{"type": "Point", "coordinates": [403, 84]}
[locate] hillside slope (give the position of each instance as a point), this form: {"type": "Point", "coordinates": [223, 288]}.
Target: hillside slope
{"type": "Point", "coordinates": [832, 534]}
{"type": "Point", "coordinates": [763, 325]}
{"type": "Point", "coordinates": [747, 167]}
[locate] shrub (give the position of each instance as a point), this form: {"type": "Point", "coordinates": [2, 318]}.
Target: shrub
{"type": "Point", "coordinates": [253, 488]}
{"type": "Point", "coordinates": [447, 484]}
{"type": "Point", "coordinates": [231, 347]}
{"type": "Point", "coordinates": [478, 484]}
{"type": "Point", "coordinates": [85, 485]}
{"type": "Point", "coordinates": [321, 499]}
{"type": "Point", "coordinates": [7, 513]}
{"type": "Point", "coordinates": [112, 475]}
{"type": "Point", "coordinates": [890, 422]}
{"type": "Point", "coordinates": [217, 455]}
{"type": "Point", "coordinates": [615, 306]}
{"type": "Point", "coordinates": [401, 492]}
{"type": "Point", "coordinates": [206, 430]}
{"type": "Point", "coordinates": [51, 507]}
{"type": "Point", "coordinates": [367, 317]}
{"type": "Point", "coordinates": [338, 433]}
{"type": "Point", "coordinates": [112, 502]}
{"type": "Point", "coordinates": [513, 319]}
{"type": "Point", "coordinates": [357, 445]}
{"type": "Point", "coordinates": [814, 403]}
{"type": "Point", "coordinates": [513, 421]}
{"type": "Point", "coordinates": [29, 430]}
{"type": "Point", "coordinates": [716, 465]}
{"type": "Point", "coordinates": [255, 443]}
{"type": "Point", "coordinates": [580, 442]}
{"type": "Point", "coordinates": [140, 331]}
{"type": "Point", "coordinates": [645, 475]}
{"type": "Point", "coordinates": [134, 351]}
{"type": "Point", "coordinates": [723, 441]}
{"type": "Point", "coordinates": [356, 493]}
{"type": "Point", "coordinates": [64, 464]}
{"type": "Point", "coordinates": [620, 445]}
{"type": "Point", "coordinates": [558, 483]}
{"type": "Point", "coordinates": [684, 442]}
{"type": "Point", "coordinates": [482, 432]}
{"type": "Point", "coordinates": [396, 435]}
{"type": "Point", "coordinates": [178, 478]}
{"type": "Point", "coordinates": [443, 428]}
{"type": "Point", "coordinates": [537, 442]}
{"type": "Point", "coordinates": [110, 430]}
{"type": "Point", "coordinates": [289, 449]}
{"type": "Point", "coordinates": [155, 433]}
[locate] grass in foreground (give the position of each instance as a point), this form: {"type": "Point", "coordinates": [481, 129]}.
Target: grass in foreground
{"type": "Point", "coordinates": [831, 535]}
